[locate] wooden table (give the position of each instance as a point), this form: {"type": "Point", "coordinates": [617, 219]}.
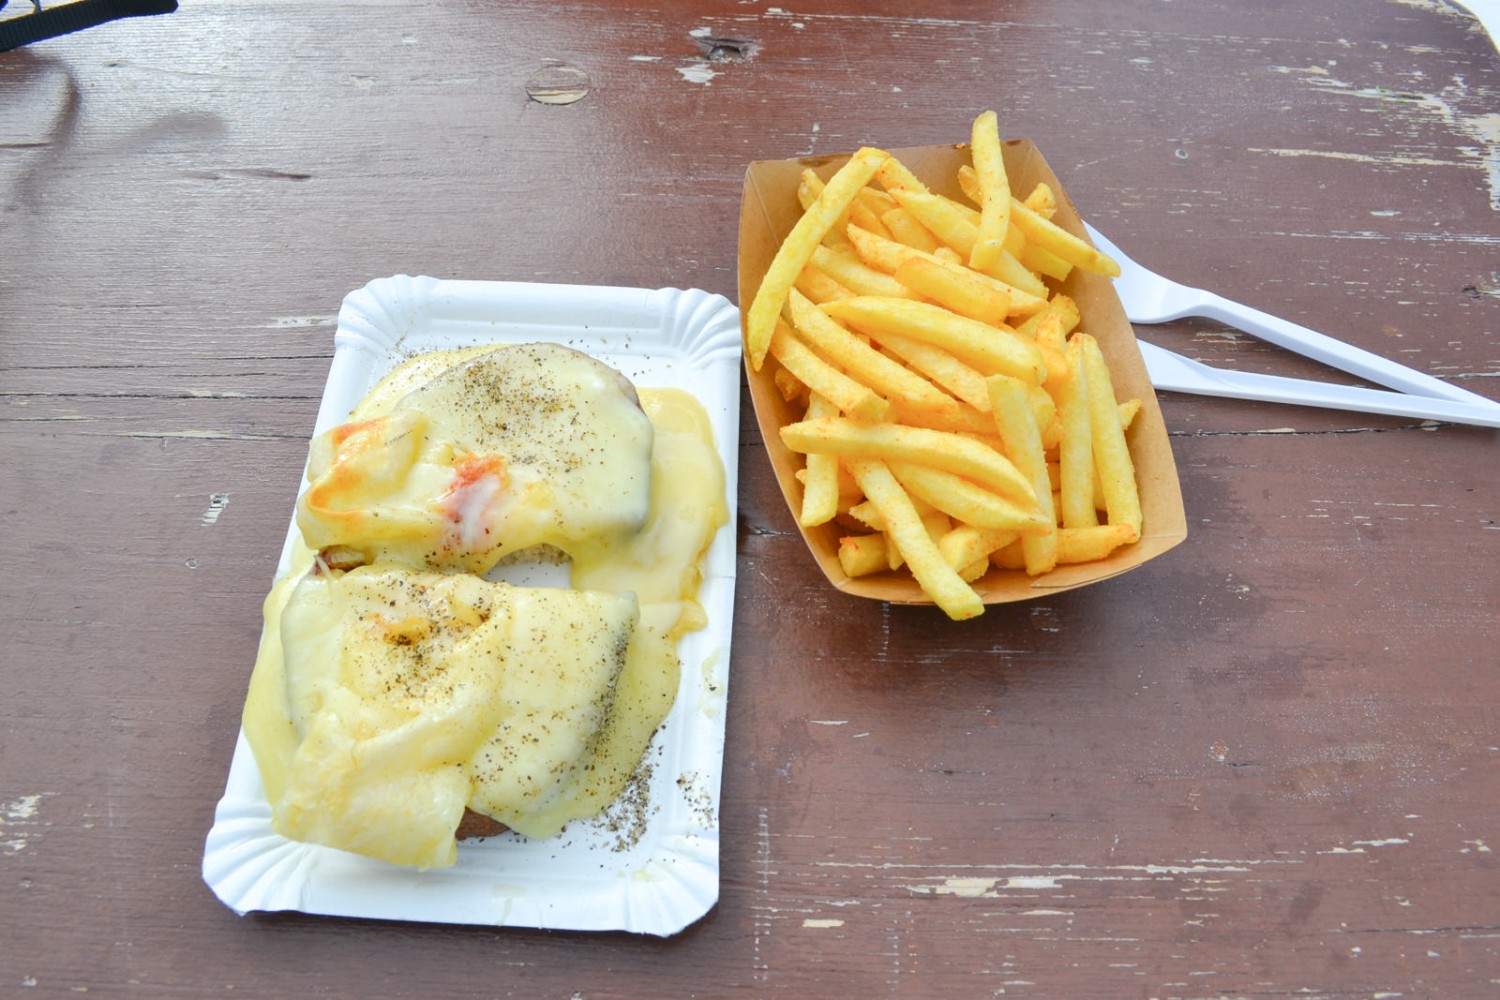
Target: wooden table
{"type": "Point", "coordinates": [1265, 764]}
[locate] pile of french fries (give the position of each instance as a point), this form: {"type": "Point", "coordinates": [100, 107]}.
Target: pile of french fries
{"type": "Point", "coordinates": [957, 417]}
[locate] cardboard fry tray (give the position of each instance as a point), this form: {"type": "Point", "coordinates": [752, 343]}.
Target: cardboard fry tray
{"type": "Point", "coordinates": [768, 211]}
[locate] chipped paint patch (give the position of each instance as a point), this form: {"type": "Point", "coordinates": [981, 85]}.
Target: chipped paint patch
{"type": "Point", "coordinates": [216, 504]}
{"type": "Point", "coordinates": [822, 923]}
{"type": "Point", "coordinates": [22, 809]}
{"type": "Point", "coordinates": [15, 817]}
{"type": "Point", "coordinates": [698, 72]}
{"type": "Point", "coordinates": [969, 887]}
{"type": "Point", "coordinates": [296, 322]}
{"type": "Point", "coordinates": [199, 435]}
{"type": "Point", "coordinates": [1333, 154]}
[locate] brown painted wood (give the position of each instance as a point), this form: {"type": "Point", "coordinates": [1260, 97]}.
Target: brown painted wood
{"type": "Point", "coordinates": [1266, 764]}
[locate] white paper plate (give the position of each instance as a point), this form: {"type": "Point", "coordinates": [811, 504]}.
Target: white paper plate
{"type": "Point", "coordinates": [658, 876]}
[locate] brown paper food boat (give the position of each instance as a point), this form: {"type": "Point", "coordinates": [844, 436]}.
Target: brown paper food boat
{"type": "Point", "coordinates": [768, 211]}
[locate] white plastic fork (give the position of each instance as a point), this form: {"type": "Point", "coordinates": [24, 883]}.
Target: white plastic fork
{"type": "Point", "coordinates": [1150, 298]}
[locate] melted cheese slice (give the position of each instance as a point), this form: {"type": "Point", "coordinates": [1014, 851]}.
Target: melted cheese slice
{"type": "Point", "coordinates": [335, 748]}
{"type": "Point", "coordinates": [496, 452]}
{"type": "Point", "coordinates": [401, 686]}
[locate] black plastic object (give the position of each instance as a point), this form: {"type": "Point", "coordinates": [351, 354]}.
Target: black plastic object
{"type": "Point", "coordinates": [70, 17]}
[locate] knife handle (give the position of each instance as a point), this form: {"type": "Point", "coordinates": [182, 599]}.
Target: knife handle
{"type": "Point", "coordinates": [1335, 353]}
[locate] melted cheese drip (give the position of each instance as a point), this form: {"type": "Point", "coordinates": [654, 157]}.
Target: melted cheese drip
{"type": "Point", "coordinates": [305, 717]}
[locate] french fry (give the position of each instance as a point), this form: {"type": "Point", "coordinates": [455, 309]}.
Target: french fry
{"type": "Point", "coordinates": [789, 386]}
{"type": "Point", "coordinates": [968, 183]}
{"type": "Point", "coordinates": [1076, 448]}
{"type": "Point", "coordinates": [1044, 412]}
{"type": "Point", "coordinates": [808, 190]}
{"type": "Point", "coordinates": [819, 287]}
{"type": "Point", "coordinates": [1023, 443]}
{"type": "Point", "coordinates": [861, 555]}
{"type": "Point", "coordinates": [853, 273]}
{"type": "Point", "coordinates": [1009, 556]}
{"type": "Point", "coordinates": [881, 254]}
{"type": "Point", "coordinates": [945, 219]}
{"type": "Point", "coordinates": [958, 290]}
{"type": "Point", "coordinates": [939, 580]}
{"type": "Point", "coordinates": [1034, 258]}
{"type": "Point", "coordinates": [867, 514]}
{"type": "Point", "coordinates": [974, 570]}
{"type": "Point", "coordinates": [904, 228]}
{"type": "Point", "coordinates": [820, 487]}
{"type": "Point", "coordinates": [862, 362]}
{"type": "Point", "coordinates": [860, 214]}
{"type": "Point", "coordinates": [1053, 345]}
{"type": "Point", "coordinates": [849, 494]}
{"type": "Point", "coordinates": [894, 176]}
{"type": "Point", "coordinates": [1122, 501]}
{"type": "Point", "coordinates": [889, 255]}
{"type": "Point", "coordinates": [958, 228]}
{"type": "Point", "coordinates": [896, 442]}
{"type": "Point", "coordinates": [994, 192]}
{"type": "Point", "coordinates": [1052, 249]}
{"type": "Point", "coordinates": [1079, 545]}
{"type": "Point", "coordinates": [990, 349]}
{"type": "Point", "coordinates": [940, 366]}
{"type": "Point", "coordinates": [1014, 273]}
{"type": "Point", "coordinates": [968, 503]}
{"type": "Point", "coordinates": [859, 401]}
{"type": "Point", "coordinates": [964, 420]}
{"type": "Point", "coordinates": [1014, 242]}
{"type": "Point", "coordinates": [1059, 304]}
{"type": "Point", "coordinates": [934, 521]}
{"type": "Point", "coordinates": [966, 544]}
{"type": "Point", "coordinates": [876, 200]}
{"type": "Point", "coordinates": [1049, 236]}
{"type": "Point", "coordinates": [1042, 201]}
{"type": "Point", "coordinates": [797, 249]}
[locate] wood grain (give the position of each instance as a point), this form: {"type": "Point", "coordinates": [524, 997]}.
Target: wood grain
{"type": "Point", "coordinates": [1266, 764]}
